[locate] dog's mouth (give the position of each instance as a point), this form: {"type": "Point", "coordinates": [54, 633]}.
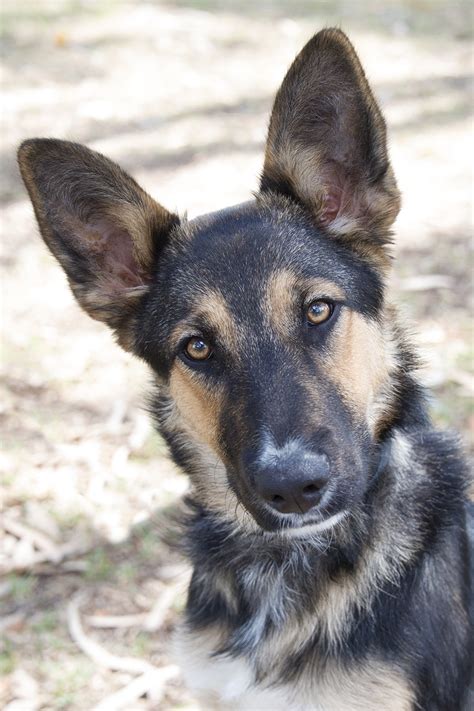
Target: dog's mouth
{"type": "Point", "coordinates": [296, 525]}
{"type": "Point", "coordinates": [309, 529]}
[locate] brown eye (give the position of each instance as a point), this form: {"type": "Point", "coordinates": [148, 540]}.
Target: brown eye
{"type": "Point", "coordinates": [318, 312]}
{"type": "Point", "coordinates": [197, 349]}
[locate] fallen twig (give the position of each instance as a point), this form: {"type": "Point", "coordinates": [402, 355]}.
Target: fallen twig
{"type": "Point", "coordinates": [115, 621]}
{"type": "Point", "coordinates": [96, 651]}
{"type": "Point", "coordinates": [66, 550]}
{"type": "Point", "coordinates": [425, 282]}
{"type": "Point", "coordinates": [64, 567]}
{"type": "Point", "coordinates": [36, 538]}
{"type": "Point", "coordinates": [461, 377]}
{"type": "Point", "coordinates": [152, 683]}
{"type": "Point", "coordinates": [156, 616]}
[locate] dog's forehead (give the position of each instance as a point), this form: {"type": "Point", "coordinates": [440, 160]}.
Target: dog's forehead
{"type": "Point", "coordinates": [243, 251]}
{"type": "Point", "coordinates": [239, 249]}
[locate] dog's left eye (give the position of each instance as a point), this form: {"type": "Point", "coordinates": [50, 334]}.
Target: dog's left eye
{"type": "Point", "coordinates": [197, 349]}
{"type": "Point", "coordinates": [318, 312]}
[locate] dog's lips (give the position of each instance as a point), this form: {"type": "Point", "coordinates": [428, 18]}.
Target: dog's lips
{"type": "Point", "coordinates": [308, 529]}
{"type": "Point", "coordinates": [295, 525]}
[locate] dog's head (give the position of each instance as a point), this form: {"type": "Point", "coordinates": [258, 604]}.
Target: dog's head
{"type": "Point", "coordinates": [264, 322]}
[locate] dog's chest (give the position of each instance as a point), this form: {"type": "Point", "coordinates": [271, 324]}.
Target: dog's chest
{"type": "Point", "coordinates": [228, 684]}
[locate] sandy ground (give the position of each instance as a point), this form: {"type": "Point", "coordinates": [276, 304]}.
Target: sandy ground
{"type": "Point", "coordinates": [179, 94]}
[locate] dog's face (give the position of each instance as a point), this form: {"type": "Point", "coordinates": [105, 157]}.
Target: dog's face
{"type": "Point", "coordinates": [265, 322]}
{"type": "Point", "coordinates": [269, 338]}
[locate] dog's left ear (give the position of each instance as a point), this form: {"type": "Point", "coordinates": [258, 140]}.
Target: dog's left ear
{"type": "Point", "coordinates": [327, 145]}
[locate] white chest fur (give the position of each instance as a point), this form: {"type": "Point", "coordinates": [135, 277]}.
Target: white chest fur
{"type": "Point", "coordinates": [228, 684]}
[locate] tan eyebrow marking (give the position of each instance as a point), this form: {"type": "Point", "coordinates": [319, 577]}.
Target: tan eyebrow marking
{"type": "Point", "coordinates": [280, 301]}
{"type": "Point", "coordinates": [213, 310]}
{"type": "Point", "coordinates": [284, 290]}
{"type": "Point", "coordinates": [321, 288]}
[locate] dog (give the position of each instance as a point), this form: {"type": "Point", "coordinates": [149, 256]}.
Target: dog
{"type": "Point", "coordinates": [327, 521]}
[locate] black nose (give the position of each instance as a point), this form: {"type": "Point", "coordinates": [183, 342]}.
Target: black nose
{"type": "Point", "coordinates": [293, 484]}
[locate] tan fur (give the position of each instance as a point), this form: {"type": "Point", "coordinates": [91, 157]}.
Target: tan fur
{"type": "Point", "coordinates": [283, 295]}
{"type": "Point", "coordinates": [307, 172]}
{"type": "Point", "coordinates": [199, 406]}
{"type": "Point", "coordinates": [322, 289]}
{"type": "Point", "coordinates": [210, 484]}
{"type": "Point", "coordinates": [212, 309]}
{"type": "Point", "coordinates": [141, 220]}
{"type": "Point", "coordinates": [279, 305]}
{"type": "Point", "coordinates": [356, 362]}
{"type": "Point", "coordinates": [215, 311]}
{"type": "Point", "coordinates": [304, 168]}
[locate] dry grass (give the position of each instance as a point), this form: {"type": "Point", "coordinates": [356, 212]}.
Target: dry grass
{"type": "Point", "coordinates": [179, 94]}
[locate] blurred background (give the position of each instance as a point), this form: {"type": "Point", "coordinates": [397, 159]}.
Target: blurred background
{"type": "Point", "coordinates": [179, 93]}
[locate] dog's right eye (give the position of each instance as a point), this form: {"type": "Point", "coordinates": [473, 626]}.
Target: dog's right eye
{"type": "Point", "coordinates": [197, 349]}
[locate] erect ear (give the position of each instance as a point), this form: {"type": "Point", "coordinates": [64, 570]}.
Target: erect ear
{"type": "Point", "coordinates": [327, 145]}
{"type": "Point", "coordinates": [105, 231]}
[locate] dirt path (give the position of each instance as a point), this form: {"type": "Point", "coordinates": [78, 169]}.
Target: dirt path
{"type": "Point", "coordinates": [179, 94]}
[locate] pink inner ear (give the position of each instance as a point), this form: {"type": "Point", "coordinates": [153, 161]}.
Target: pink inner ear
{"type": "Point", "coordinates": [342, 198]}
{"type": "Point", "coordinates": [331, 207]}
{"type": "Point", "coordinates": [111, 248]}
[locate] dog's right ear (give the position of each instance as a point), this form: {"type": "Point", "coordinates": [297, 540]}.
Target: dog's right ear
{"type": "Point", "coordinates": [105, 231]}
